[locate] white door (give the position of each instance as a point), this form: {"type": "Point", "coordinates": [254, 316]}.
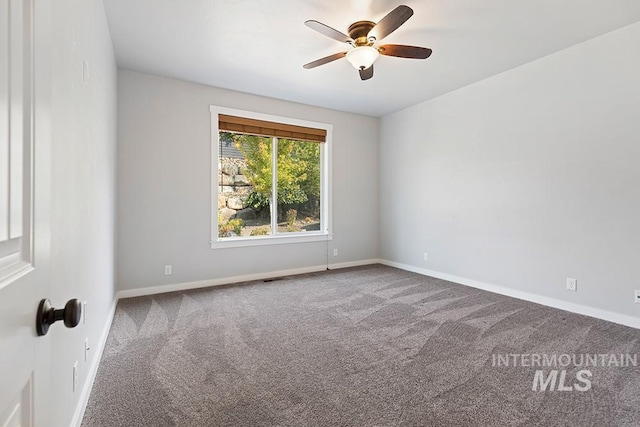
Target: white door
{"type": "Point", "coordinates": [24, 212]}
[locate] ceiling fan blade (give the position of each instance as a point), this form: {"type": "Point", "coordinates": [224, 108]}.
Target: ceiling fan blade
{"type": "Point", "coordinates": [391, 22]}
{"type": "Point", "coordinates": [403, 51]}
{"type": "Point", "coordinates": [367, 73]}
{"type": "Point", "coordinates": [328, 31]}
{"type": "Point", "coordinates": [324, 60]}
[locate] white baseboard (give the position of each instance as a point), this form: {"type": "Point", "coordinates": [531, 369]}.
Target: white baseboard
{"type": "Point", "coordinates": [78, 414]}
{"type": "Point", "coordinates": [130, 293]}
{"type": "Point", "coordinates": [621, 319]}
{"type": "Point", "coordinates": [359, 263]}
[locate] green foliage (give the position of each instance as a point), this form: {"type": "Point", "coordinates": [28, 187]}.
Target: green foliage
{"type": "Point", "coordinates": [257, 152]}
{"type": "Point", "coordinates": [257, 201]}
{"type": "Point", "coordinates": [298, 165]}
{"type": "Point", "coordinates": [226, 137]}
{"type": "Point", "coordinates": [233, 225]}
{"type": "Point", "coordinates": [260, 231]}
{"type": "Point", "coordinates": [298, 171]}
{"type": "Point", "coordinates": [236, 224]}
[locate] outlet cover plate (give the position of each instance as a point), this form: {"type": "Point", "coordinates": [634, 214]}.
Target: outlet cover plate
{"type": "Point", "coordinates": [572, 284]}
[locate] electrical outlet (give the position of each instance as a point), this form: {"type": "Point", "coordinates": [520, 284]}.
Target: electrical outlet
{"type": "Point", "coordinates": [168, 270]}
{"type": "Point", "coordinates": [335, 252]}
{"type": "Point", "coordinates": [75, 376]}
{"type": "Point", "coordinates": [637, 298]}
{"type": "Point", "coordinates": [572, 284]}
{"type": "Point", "coordinates": [426, 256]}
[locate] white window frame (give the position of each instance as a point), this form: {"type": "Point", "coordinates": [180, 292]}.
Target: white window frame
{"type": "Point", "coordinates": [325, 184]}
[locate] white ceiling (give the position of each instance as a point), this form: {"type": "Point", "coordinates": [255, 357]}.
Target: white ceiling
{"type": "Point", "coordinates": [259, 46]}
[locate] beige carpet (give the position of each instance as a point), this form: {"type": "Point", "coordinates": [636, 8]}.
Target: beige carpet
{"type": "Point", "coordinates": [368, 346]}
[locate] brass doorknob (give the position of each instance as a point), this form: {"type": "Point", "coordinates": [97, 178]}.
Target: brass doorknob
{"type": "Point", "coordinates": [47, 315]}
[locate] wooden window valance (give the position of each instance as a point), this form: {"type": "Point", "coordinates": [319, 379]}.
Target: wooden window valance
{"type": "Point", "coordinates": [244, 125]}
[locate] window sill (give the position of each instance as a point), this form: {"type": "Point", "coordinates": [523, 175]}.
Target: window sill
{"type": "Point", "coordinates": [238, 242]}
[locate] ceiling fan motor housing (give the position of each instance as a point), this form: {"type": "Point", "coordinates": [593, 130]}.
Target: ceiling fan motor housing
{"type": "Point", "coordinates": [359, 32]}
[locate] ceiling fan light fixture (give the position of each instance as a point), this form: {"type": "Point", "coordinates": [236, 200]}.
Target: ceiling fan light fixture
{"type": "Point", "coordinates": [362, 57]}
{"type": "Point", "coordinates": [363, 35]}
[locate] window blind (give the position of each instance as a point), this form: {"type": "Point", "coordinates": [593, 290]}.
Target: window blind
{"type": "Point", "coordinates": [244, 125]}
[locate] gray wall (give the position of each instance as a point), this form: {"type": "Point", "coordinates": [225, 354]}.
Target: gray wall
{"type": "Point", "coordinates": [83, 188]}
{"type": "Point", "coordinates": [525, 178]}
{"type": "Point", "coordinates": [164, 181]}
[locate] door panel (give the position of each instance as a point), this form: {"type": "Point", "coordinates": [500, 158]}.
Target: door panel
{"type": "Point", "coordinates": [19, 412]}
{"type": "Point", "coordinates": [15, 134]}
{"type": "Point", "coordinates": [19, 30]}
{"type": "Point", "coordinates": [4, 121]}
{"type": "Point", "coordinates": [24, 211]}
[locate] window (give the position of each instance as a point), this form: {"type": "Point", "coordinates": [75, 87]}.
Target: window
{"type": "Point", "coordinates": [271, 179]}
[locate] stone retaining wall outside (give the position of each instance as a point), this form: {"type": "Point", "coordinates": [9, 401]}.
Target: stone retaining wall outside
{"type": "Point", "coordinates": [234, 187]}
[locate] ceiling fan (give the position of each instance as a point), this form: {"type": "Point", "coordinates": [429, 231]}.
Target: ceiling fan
{"type": "Point", "coordinates": [363, 36]}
